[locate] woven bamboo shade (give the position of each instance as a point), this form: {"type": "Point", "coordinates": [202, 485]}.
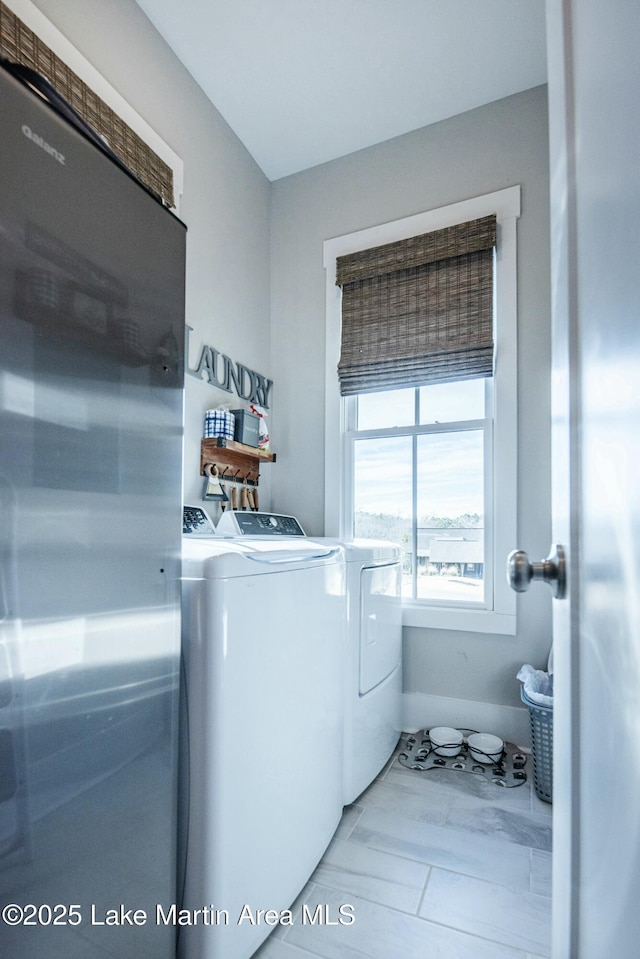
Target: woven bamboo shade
{"type": "Point", "coordinates": [419, 310]}
{"type": "Point", "coordinates": [21, 45]}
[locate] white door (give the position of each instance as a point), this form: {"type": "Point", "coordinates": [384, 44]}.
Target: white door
{"type": "Point", "coordinates": [594, 98]}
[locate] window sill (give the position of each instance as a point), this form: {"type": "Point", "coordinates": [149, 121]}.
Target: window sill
{"type": "Point", "coordinates": [464, 620]}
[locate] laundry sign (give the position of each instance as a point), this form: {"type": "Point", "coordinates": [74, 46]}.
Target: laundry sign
{"type": "Point", "coordinates": [226, 375]}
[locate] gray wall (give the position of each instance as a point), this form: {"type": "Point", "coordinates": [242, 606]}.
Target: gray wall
{"type": "Point", "coordinates": [478, 152]}
{"type": "Point", "coordinates": [225, 203]}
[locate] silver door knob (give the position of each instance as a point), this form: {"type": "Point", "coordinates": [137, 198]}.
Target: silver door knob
{"type": "Point", "coordinates": [552, 570]}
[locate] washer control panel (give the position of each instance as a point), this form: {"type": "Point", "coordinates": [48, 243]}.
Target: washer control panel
{"type": "Point", "coordinates": [196, 522]}
{"type": "Point", "coordinates": [247, 523]}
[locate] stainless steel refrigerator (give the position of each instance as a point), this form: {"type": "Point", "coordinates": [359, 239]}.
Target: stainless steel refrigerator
{"type": "Point", "coordinates": [91, 403]}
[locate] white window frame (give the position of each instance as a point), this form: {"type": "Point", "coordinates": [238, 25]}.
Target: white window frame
{"type": "Point", "coordinates": [499, 616]}
{"type": "Point", "coordinates": [351, 435]}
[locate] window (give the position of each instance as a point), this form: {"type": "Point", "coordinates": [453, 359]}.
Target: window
{"type": "Point", "coordinates": [420, 459]}
{"type": "Point", "coordinates": [433, 467]}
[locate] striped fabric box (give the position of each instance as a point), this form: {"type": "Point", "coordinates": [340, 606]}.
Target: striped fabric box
{"type": "Point", "coordinates": [219, 423]}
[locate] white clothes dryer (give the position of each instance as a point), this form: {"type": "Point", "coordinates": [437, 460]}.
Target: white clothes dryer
{"type": "Point", "coordinates": [373, 681]}
{"type": "Point", "coordinates": [263, 639]}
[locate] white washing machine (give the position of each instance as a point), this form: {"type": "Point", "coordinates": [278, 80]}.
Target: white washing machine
{"type": "Point", "coordinates": [373, 654]}
{"type": "Point", "coordinates": [263, 639]}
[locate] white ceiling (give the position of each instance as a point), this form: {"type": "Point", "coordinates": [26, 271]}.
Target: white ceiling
{"type": "Point", "coordinates": [305, 81]}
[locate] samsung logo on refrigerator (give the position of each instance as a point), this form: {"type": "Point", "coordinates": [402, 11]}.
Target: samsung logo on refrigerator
{"type": "Point", "coordinates": [35, 138]}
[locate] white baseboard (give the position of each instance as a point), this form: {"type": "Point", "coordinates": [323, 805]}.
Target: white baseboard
{"type": "Point", "coordinates": [511, 723]}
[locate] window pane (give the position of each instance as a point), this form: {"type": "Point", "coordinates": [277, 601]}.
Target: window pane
{"type": "Point", "coordinates": [382, 495]}
{"type": "Point", "coordinates": [448, 402]}
{"type": "Point", "coordinates": [381, 411]}
{"type": "Point", "coordinates": [451, 517]}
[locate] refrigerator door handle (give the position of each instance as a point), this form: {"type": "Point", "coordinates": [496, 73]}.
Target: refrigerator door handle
{"type": "Point", "coordinates": [3, 598]}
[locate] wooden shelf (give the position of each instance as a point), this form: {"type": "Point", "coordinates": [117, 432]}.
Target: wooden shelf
{"type": "Point", "coordinates": [234, 460]}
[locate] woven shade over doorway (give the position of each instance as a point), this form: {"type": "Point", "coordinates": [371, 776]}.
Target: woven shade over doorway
{"type": "Point", "coordinates": [418, 311]}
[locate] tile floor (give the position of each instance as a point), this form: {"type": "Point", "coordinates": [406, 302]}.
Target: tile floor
{"type": "Point", "coordinates": [436, 865]}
